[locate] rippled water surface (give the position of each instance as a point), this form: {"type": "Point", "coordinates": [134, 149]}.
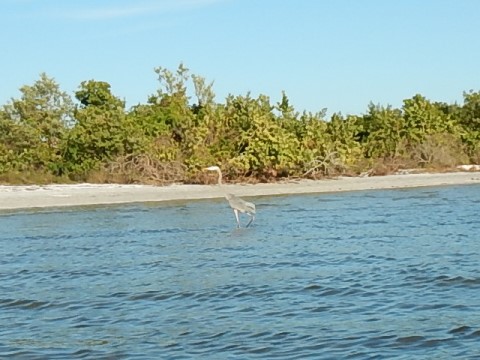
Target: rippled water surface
{"type": "Point", "coordinates": [365, 275]}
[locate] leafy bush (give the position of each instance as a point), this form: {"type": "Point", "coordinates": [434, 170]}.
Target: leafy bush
{"type": "Point", "coordinates": [44, 136]}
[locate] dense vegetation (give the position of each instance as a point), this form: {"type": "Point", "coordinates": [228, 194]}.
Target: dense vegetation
{"type": "Point", "coordinates": [46, 136]}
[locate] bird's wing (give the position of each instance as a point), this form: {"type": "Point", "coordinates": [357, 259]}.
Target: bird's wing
{"type": "Point", "coordinates": [250, 207]}
{"type": "Point", "coordinates": [240, 204]}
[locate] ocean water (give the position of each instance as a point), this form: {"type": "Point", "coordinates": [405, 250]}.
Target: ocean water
{"type": "Point", "coordinates": [387, 274]}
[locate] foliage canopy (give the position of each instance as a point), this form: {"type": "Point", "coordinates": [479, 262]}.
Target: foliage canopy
{"type": "Point", "coordinates": [45, 135]}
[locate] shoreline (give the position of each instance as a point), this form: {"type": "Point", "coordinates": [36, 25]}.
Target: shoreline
{"type": "Point", "coordinates": [50, 196]}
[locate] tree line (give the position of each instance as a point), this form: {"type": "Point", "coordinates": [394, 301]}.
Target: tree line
{"type": "Point", "coordinates": [46, 136]}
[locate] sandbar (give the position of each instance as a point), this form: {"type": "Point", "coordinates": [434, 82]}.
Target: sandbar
{"type": "Point", "coordinates": [47, 196]}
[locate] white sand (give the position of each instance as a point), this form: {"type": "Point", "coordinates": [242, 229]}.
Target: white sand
{"type": "Point", "coordinates": [18, 197]}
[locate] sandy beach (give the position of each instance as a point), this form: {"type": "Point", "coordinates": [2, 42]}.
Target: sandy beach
{"type": "Point", "coordinates": [35, 196]}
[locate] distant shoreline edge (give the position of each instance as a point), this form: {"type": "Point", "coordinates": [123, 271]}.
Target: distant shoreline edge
{"type": "Point", "coordinates": [50, 196]}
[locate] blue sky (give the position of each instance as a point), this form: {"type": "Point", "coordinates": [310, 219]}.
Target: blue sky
{"type": "Point", "coordinates": [334, 54]}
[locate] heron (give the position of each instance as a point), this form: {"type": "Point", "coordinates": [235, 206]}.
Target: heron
{"type": "Point", "coordinates": [238, 205]}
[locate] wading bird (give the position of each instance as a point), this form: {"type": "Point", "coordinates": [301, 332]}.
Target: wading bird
{"type": "Point", "coordinates": [237, 204]}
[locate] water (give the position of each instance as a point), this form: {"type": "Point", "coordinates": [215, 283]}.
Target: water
{"type": "Point", "coordinates": [367, 275]}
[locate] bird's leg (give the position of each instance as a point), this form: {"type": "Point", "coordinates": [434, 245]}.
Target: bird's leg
{"type": "Point", "coordinates": [235, 211]}
{"type": "Point", "coordinates": [252, 218]}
